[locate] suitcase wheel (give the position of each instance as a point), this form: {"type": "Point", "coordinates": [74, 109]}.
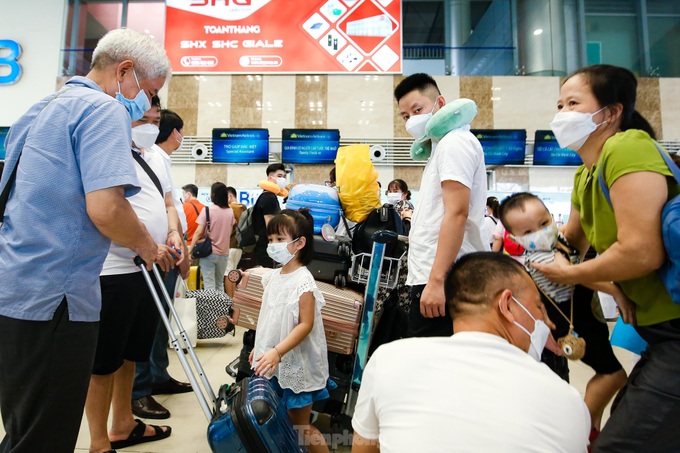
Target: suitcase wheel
{"type": "Point", "coordinates": [344, 250]}
{"type": "Point", "coordinates": [340, 281]}
{"type": "Point", "coordinates": [234, 276]}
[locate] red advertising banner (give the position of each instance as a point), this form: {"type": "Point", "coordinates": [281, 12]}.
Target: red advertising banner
{"type": "Point", "coordinates": [283, 36]}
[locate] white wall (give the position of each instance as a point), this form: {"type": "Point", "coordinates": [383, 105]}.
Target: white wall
{"type": "Point", "coordinates": [37, 26]}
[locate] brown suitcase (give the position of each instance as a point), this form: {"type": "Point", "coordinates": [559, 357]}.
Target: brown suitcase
{"type": "Point", "coordinates": [341, 314]}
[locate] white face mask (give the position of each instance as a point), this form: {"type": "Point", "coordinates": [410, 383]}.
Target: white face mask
{"type": "Point", "coordinates": [572, 129]}
{"type": "Point", "coordinates": [539, 337]}
{"type": "Point", "coordinates": [278, 251]}
{"type": "Point", "coordinates": [180, 141]}
{"type": "Point", "coordinates": [543, 239]}
{"type": "Point", "coordinates": [416, 124]}
{"type": "Point", "coordinates": [281, 182]}
{"type": "Point", "coordinates": [145, 135]}
{"type": "Point", "coordinates": [393, 197]}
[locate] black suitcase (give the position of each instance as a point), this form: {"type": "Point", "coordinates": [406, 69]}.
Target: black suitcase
{"type": "Point", "coordinates": [340, 367]}
{"type": "Point", "coordinates": [331, 261]}
{"type": "Point", "coordinates": [243, 369]}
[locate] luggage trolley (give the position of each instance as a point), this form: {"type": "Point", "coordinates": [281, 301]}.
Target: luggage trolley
{"type": "Point", "coordinates": [381, 271]}
{"type": "Point", "coordinates": [389, 274]}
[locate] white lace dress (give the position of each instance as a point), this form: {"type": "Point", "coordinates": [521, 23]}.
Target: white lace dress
{"type": "Point", "coordinates": [305, 368]}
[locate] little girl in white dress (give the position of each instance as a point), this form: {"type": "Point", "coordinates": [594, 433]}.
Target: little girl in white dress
{"type": "Point", "coordinates": [290, 346]}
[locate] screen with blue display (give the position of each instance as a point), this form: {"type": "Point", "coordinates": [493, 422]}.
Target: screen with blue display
{"type": "Point", "coordinates": [3, 135]}
{"type": "Point", "coordinates": [309, 146]}
{"type": "Point", "coordinates": [240, 146]}
{"type": "Point", "coordinates": [502, 146]}
{"type": "Point", "coordinates": [548, 152]}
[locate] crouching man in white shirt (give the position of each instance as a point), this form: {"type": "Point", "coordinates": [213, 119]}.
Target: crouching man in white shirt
{"type": "Point", "coordinates": [482, 389]}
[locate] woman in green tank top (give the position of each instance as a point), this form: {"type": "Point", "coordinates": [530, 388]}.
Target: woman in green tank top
{"type": "Point", "coordinates": [597, 119]}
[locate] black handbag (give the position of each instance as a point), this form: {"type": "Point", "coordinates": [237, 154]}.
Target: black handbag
{"type": "Point", "coordinates": [204, 248]}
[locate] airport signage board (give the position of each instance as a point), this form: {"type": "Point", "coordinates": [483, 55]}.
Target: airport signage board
{"type": "Point", "coordinates": [502, 146]}
{"type": "Point", "coordinates": [548, 152]}
{"type": "Point", "coordinates": [283, 36]}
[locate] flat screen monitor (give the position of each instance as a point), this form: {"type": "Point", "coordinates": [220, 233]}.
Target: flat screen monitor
{"type": "Point", "coordinates": [3, 135]}
{"type": "Point", "coordinates": [240, 146]}
{"type": "Point", "coordinates": [548, 152]}
{"type": "Point", "coordinates": [502, 146]}
{"type": "Point", "coordinates": [309, 146]}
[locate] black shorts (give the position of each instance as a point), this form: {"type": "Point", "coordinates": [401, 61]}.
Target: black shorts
{"type": "Point", "coordinates": [128, 322]}
{"type": "Point", "coordinates": [420, 326]}
{"type": "Point", "coordinates": [599, 353]}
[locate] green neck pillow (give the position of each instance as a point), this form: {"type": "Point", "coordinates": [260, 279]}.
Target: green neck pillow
{"type": "Point", "coordinates": [456, 114]}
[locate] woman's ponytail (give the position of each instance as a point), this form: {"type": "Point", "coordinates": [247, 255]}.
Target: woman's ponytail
{"type": "Point", "coordinates": [637, 121]}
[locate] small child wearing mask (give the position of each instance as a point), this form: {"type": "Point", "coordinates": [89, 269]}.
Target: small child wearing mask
{"type": "Point", "coordinates": [530, 225]}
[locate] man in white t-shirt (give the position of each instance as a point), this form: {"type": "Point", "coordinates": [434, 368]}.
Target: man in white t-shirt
{"type": "Point", "coordinates": [129, 316]}
{"type": "Point", "coordinates": [447, 222]}
{"type": "Point", "coordinates": [152, 377]}
{"type": "Point", "coordinates": [480, 390]}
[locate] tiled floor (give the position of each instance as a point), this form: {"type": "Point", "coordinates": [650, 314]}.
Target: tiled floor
{"type": "Point", "coordinates": [189, 423]}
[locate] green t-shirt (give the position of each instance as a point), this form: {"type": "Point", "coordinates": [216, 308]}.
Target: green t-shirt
{"type": "Point", "coordinates": [626, 152]}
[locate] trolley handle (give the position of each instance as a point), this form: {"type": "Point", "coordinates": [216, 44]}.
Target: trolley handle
{"type": "Point", "coordinates": [175, 341]}
{"type": "Point", "coordinates": [387, 236]}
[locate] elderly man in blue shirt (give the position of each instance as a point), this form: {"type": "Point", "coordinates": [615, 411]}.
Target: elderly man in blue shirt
{"type": "Point", "coordinates": [72, 167]}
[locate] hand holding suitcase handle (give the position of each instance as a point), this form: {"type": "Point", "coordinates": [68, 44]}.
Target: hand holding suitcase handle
{"type": "Point", "coordinates": [167, 257]}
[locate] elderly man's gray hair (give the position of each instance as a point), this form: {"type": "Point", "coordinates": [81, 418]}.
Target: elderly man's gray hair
{"type": "Point", "coordinates": [148, 56]}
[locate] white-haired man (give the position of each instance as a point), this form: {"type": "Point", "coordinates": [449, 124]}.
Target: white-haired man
{"type": "Point", "coordinates": [53, 242]}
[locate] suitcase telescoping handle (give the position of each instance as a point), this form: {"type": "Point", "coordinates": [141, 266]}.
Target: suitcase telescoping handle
{"type": "Point", "coordinates": [175, 341]}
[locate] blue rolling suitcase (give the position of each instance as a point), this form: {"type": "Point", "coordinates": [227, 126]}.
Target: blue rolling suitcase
{"type": "Point", "coordinates": [251, 418]}
{"type": "Point", "coordinates": [244, 417]}
{"type": "Point", "coordinates": [323, 203]}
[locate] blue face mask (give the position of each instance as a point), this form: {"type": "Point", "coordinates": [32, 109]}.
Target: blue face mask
{"type": "Point", "coordinates": [137, 106]}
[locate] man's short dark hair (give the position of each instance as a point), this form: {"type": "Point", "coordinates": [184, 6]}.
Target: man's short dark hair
{"type": "Point", "coordinates": [191, 188]}
{"type": "Point", "coordinates": [155, 101]}
{"type": "Point", "coordinates": [273, 168]}
{"type": "Point", "coordinates": [232, 191]}
{"type": "Point", "coordinates": [169, 122]}
{"type": "Point", "coordinates": [421, 82]}
{"type": "Point", "coordinates": [477, 278]}
{"type": "Point", "coordinates": [512, 202]}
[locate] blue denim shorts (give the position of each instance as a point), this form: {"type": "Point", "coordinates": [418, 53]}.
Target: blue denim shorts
{"type": "Point", "coordinates": [292, 400]}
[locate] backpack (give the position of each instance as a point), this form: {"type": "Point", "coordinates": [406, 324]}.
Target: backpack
{"type": "Point", "coordinates": [670, 231]}
{"type": "Point", "coordinates": [245, 231]}
{"type": "Point", "coordinates": [511, 247]}
{"type": "Point", "coordinates": [383, 218]}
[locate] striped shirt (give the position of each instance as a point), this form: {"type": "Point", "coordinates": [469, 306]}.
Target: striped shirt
{"type": "Point", "coordinates": [557, 292]}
